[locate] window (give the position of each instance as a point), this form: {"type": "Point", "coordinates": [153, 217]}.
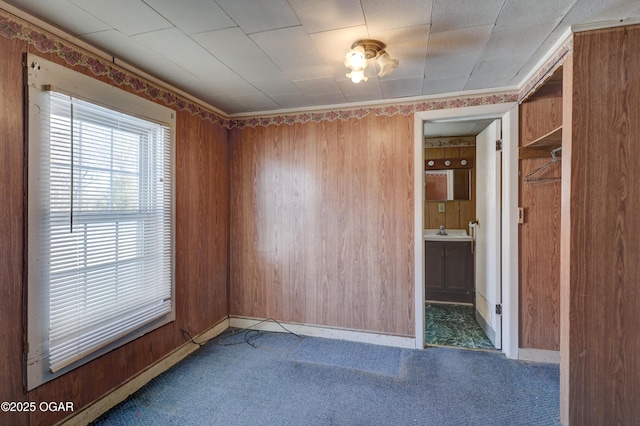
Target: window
{"type": "Point", "coordinates": [100, 228]}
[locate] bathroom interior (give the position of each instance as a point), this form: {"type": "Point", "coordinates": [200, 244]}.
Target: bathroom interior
{"type": "Point", "coordinates": [450, 221]}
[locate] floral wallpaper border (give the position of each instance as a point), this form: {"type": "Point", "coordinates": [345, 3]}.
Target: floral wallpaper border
{"type": "Point", "coordinates": [12, 27]}
{"type": "Point", "coordinates": [386, 110]}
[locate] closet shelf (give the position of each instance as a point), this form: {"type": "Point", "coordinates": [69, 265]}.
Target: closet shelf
{"type": "Point", "coordinates": [552, 138]}
{"type": "Point", "coordinates": [540, 147]}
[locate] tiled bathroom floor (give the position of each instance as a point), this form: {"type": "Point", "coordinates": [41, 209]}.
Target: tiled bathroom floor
{"type": "Point", "coordinates": [454, 325]}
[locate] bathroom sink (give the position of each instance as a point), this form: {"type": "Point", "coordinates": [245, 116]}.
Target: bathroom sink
{"type": "Point", "coordinates": [452, 235]}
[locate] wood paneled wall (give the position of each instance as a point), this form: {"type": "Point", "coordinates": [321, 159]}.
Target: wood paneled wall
{"type": "Point", "coordinates": [601, 272]}
{"type": "Point", "coordinates": [539, 235]}
{"type": "Point", "coordinates": [458, 213]}
{"type": "Point", "coordinates": [322, 223]}
{"type": "Point", "coordinates": [202, 229]}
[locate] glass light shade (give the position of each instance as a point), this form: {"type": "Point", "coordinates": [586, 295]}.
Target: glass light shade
{"type": "Point", "coordinates": [386, 64]}
{"type": "Point", "coordinates": [357, 76]}
{"type": "Point", "coordinates": [355, 59]}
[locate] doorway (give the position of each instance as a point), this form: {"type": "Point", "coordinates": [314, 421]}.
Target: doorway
{"type": "Point", "coordinates": [506, 233]}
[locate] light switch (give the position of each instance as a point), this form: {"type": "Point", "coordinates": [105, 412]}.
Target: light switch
{"type": "Point", "coordinates": [441, 208]}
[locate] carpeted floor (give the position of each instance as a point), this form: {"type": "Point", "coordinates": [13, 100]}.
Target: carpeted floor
{"type": "Point", "coordinates": [286, 380]}
{"type": "Point", "coordinates": [454, 325]}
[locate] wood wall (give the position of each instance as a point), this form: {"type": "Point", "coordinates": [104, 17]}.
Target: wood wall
{"type": "Point", "coordinates": [539, 235]}
{"type": "Point", "coordinates": [601, 273]}
{"type": "Point", "coordinates": [458, 213]}
{"type": "Point", "coordinates": [202, 229]}
{"type": "Point", "coordinates": [322, 223]}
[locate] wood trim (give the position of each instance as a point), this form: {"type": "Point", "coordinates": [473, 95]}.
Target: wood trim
{"type": "Point", "coordinates": [116, 396]}
{"type": "Point", "coordinates": [539, 355]}
{"type": "Point", "coordinates": [325, 332]}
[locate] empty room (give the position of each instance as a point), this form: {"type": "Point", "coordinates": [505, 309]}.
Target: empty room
{"type": "Point", "coordinates": [319, 211]}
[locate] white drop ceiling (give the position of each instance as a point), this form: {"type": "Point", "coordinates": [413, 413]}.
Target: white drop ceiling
{"type": "Point", "coordinates": [255, 56]}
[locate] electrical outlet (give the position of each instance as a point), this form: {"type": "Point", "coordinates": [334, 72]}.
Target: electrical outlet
{"type": "Point", "coordinates": [441, 208]}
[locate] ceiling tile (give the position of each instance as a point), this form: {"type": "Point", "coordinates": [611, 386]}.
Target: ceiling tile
{"type": "Point", "coordinates": [174, 45]}
{"type": "Point", "coordinates": [505, 43]}
{"type": "Point", "coordinates": [403, 87]}
{"type": "Point", "coordinates": [447, 7]}
{"type": "Point", "coordinates": [234, 87]}
{"type": "Point", "coordinates": [498, 65]}
{"type": "Point", "coordinates": [63, 14]}
{"type": "Point", "coordinates": [405, 42]}
{"type": "Point", "coordinates": [491, 82]}
{"type": "Point", "coordinates": [384, 14]}
{"type": "Point", "coordinates": [293, 100]}
{"type": "Point", "coordinates": [463, 19]}
{"type": "Point", "coordinates": [293, 52]}
{"type": "Point", "coordinates": [364, 90]}
{"type": "Point", "coordinates": [407, 67]}
{"type": "Point", "coordinates": [128, 16]}
{"type": "Point", "coordinates": [143, 58]}
{"type": "Point", "coordinates": [452, 66]}
{"type": "Point", "coordinates": [463, 41]}
{"type": "Point", "coordinates": [256, 16]}
{"type": "Point", "coordinates": [585, 10]}
{"type": "Point", "coordinates": [327, 15]}
{"type": "Point", "coordinates": [316, 86]}
{"type": "Point", "coordinates": [518, 14]}
{"type": "Point", "coordinates": [327, 99]}
{"type": "Point", "coordinates": [443, 85]}
{"type": "Point", "coordinates": [238, 52]}
{"type": "Point", "coordinates": [259, 101]}
{"type": "Point", "coordinates": [199, 16]}
{"type": "Point", "coordinates": [296, 49]}
{"type": "Point", "coordinates": [282, 86]}
{"type": "Point", "coordinates": [459, 14]}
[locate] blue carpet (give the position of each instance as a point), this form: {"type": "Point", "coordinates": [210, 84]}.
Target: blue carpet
{"type": "Point", "coordinates": [281, 381]}
{"type": "Point", "coordinates": [373, 359]}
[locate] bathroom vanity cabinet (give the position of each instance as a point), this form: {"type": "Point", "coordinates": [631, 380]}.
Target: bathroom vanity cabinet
{"type": "Point", "coordinates": [449, 271]}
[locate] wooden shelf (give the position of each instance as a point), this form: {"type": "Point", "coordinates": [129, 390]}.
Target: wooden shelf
{"type": "Point", "coordinates": [542, 146]}
{"type": "Point", "coordinates": [551, 139]}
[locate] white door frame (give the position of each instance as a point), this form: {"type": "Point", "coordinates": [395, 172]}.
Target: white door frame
{"type": "Point", "coordinates": [508, 112]}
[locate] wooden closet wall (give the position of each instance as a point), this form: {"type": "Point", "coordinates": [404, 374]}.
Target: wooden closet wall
{"type": "Point", "coordinates": [540, 198]}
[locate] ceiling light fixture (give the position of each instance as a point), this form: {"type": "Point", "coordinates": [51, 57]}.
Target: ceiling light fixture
{"type": "Point", "coordinates": [363, 50]}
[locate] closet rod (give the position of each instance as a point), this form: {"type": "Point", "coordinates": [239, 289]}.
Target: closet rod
{"type": "Point", "coordinates": [554, 159]}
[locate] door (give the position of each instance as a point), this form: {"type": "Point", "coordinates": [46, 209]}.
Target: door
{"type": "Point", "coordinates": [488, 251]}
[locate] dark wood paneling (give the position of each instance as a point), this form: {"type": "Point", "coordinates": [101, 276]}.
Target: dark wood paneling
{"type": "Point", "coordinates": [604, 305]}
{"type": "Point", "coordinates": [202, 229]}
{"type": "Point", "coordinates": [11, 227]}
{"type": "Point", "coordinates": [322, 223]}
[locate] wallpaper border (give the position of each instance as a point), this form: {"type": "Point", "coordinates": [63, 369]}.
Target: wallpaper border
{"type": "Point", "coordinates": [12, 27]}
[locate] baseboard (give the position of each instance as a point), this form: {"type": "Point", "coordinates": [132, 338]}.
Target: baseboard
{"type": "Point", "coordinates": [327, 332]}
{"type": "Point", "coordinates": [539, 355]}
{"type": "Point", "coordinates": [113, 398]}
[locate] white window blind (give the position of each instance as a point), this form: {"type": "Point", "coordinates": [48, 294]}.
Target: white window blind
{"type": "Point", "coordinates": [103, 230]}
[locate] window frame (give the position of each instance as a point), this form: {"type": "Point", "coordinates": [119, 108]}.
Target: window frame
{"type": "Point", "coordinates": [43, 75]}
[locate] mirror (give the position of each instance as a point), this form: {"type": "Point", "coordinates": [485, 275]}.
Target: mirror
{"type": "Point", "coordinates": [448, 184]}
